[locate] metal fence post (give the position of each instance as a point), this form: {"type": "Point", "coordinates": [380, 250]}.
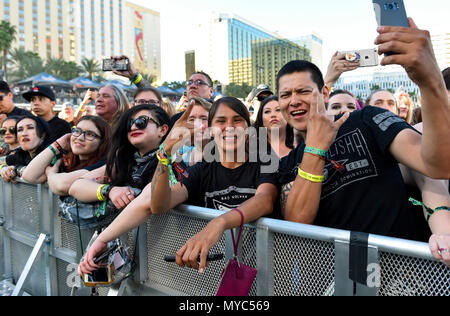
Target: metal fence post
{"type": "Point", "coordinates": [264, 260]}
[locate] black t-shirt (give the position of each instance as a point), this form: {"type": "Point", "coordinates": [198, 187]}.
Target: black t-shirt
{"type": "Point", "coordinates": [18, 112]}
{"type": "Point", "coordinates": [213, 186]}
{"type": "Point", "coordinates": [370, 195]}
{"type": "Point", "coordinates": [97, 165]}
{"type": "Point", "coordinates": [59, 128]}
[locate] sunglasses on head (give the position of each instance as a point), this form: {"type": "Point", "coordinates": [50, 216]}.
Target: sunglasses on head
{"type": "Point", "coordinates": [12, 130]}
{"type": "Point", "coordinates": [141, 122]}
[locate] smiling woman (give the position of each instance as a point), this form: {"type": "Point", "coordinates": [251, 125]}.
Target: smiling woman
{"type": "Point", "coordinates": [83, 149]}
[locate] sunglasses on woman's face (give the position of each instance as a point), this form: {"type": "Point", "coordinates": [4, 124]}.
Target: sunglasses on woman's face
{"type": "Point", "coordinates": [12, 130]}
{"type": "Point", "coordinates": [141, 122]}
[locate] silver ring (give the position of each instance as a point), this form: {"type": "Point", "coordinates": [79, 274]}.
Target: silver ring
{"type": "Point", "coordinates": [443, 250]}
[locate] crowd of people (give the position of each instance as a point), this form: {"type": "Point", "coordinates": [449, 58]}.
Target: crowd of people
{"type": "Point", "coordinates": [340, 162]}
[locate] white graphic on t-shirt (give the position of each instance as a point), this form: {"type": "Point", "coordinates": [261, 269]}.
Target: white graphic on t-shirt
{"type": "Point", "coordinates": [352, 152]}
{"type": "Point", "coordinates": [229, 198]}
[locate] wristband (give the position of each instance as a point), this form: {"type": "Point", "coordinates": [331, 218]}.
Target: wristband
{"type": "Point", "coordinates": [3, 166]}
{"type": "Point", "coordinates": [317, 151]}
{"type": "Point", "coordinates": [100, 197]}
{"type": "Point", "coordinates": [310, 177]}
{"type": "Point", "coordinates": [58, 147]}
{"type": "Point", "coordinates": [139, 79]}
{"type": "Point", "coordinates": [53, 150]}
{"type": "Point", "coordinates": [105, 192]}
{"type": "Point", "coordinates": [429, 210]}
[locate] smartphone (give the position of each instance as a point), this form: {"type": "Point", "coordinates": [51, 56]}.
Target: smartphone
{"type": "Point", "coordinates": [210, 257]}
{"type": "Point", "coordinates": [112, 64]}
{"type": "Point", "coordinates": [366, 57]}
{"type": "Point", "coordinates": [101, 276]}
{"type": "Point", "coordinates": [390, 13]}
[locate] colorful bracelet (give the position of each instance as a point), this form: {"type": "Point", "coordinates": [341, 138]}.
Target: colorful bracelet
{"type": "Point", "coordinates": [317, 151]}
{"type": "Point", "coordinates": [429, 210]}
{"type": "Point", "coordinates": [100, 197]}
{"type": "Point", "coordinates": [105, 192]}
{"type": "Point", "coordinates": [139, 79]}
{"type": "Point", "coordinates": [310, 177]}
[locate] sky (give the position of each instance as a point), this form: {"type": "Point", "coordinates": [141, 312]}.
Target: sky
{"type": "Point", "coordinates": [343, 25]}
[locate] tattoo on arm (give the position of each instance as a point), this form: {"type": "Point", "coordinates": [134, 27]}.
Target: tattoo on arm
{"type": "Point", "coordinates": [285, 190]}
{"type": "Point", "coordinates": [159, 171]}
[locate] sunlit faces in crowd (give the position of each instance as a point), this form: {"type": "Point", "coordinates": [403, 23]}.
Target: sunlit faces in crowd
{"type": "Point", "coordinates": [85, 139]}
{"type": "Point", "coordinates": [147, 96]}
{"type": "Point", "coordinates": [384, 100]}
{"type": "Point", "coordinates": [8, 133]}
{"type": "Point", "coordinates": [272, 117]}
{"type": "Point", "coordinates": [42, 106]}
{"type": "Point", "coordinates": [341, 102]}
{"type": "Point", "coordinates": [199, 119]}
{"type": "Point", "coordinates": [6, 102]}
{"type": "Point", "coordinates": [28, 136]}
{"type": "Point", "coordinates": [199, 85]}
{"type": "Point", "coordinates": [145, 132]}
{"type": "Point", "coordinates": [105, 104]}
{"type": "Point", "coordinates": [295, 93]}
{"type": "Point", "coordinates": [228, 126]}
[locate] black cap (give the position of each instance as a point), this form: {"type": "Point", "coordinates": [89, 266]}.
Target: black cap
{"type": "Point", "coordinates": [39, 90]}
{"type": "Point", "coordinates": [258, 90]}
{"type": "Point", "coordinates": [4, 87]}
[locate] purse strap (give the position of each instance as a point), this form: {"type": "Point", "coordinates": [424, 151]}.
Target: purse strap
{"type": "Point", "coordinates": [236, 242]}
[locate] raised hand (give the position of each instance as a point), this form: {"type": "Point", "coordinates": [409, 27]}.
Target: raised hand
{"type": "Point", "coordinates": [321, 128]}
{"type": "Point", "coordinates": [181, 132]}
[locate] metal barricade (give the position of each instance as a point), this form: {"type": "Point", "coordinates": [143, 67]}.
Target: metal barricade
{"type": "Point", "coordinates": [291, 259]}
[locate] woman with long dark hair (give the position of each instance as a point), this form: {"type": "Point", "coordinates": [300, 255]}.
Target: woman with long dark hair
{"type": "Point", "coordinates": [229, 182]}
{"type": "Point", "coordinates": [85, 149]}
{"type": "Point", "coordinates": [131, 160]}
{"type": "Point", "coordinates": [33, 134]}
{"type": "Point", "coordinates": [280, 135]}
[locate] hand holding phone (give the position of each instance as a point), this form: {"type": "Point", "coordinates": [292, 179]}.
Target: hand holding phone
{"type": "Point", "coordinates": [390, 13]}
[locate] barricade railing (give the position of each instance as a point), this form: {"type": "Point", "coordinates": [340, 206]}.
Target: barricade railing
{"type": "Point", "coordinates": [291, 258]}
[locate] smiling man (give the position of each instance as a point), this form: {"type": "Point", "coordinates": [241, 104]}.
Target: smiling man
{"type": "Point", "coordinates": [345, 174]}
{"type": "Point", "coordinates": [43, 101]}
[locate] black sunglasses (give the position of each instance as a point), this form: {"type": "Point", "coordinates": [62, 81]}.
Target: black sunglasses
{"type": "Point", "coordinates": [12, 130]}
{"type": "Point", "coordinates": [141, 122]}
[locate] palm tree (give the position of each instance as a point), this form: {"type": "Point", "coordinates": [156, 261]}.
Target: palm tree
{"type": "Point", "coordinates": [54, 66]}
{"type": "Point", "coordinates": [7, 37]}
{"type": "Point", "coordinates": [90, 67]}
{"type": "Point", "coordinates": [25, 64]}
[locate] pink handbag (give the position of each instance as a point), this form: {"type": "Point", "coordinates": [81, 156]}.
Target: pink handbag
{"type": "Point", "coordinates": [236, 278]}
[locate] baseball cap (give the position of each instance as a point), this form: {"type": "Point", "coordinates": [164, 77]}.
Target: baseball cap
{"type": "Point", "coordinates": [4, 87]}
{"type": "Point", "coordinates": [39, 90]}
{"type": "Point", "coordinates": [258, 90]}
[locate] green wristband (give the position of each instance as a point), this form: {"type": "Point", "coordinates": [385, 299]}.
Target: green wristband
{"type": "Point", "coordinates": [317, 151]}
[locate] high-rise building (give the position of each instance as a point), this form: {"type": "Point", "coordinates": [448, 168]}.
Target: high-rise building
{"type": "Point", "coordinates": [189, 58]}
{"type": "Point", "coordinates": [74, 29]}
{"type": "Point", "coordinates": [441, 45]}
{"type": "Point", "coordinates": [314, 43]}
{"type": "Point", "coordinates": [234, 50]}
{"type": "Point", "coordinates": [46, 27]}
{"type": "Point", "coordinates": [269, 56]}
